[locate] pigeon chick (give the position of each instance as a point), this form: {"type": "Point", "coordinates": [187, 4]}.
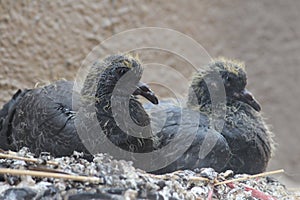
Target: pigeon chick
{"type": "Point", "coordinates": [43, 119]}
{"type": "Point", "coordinates": [243, 145]}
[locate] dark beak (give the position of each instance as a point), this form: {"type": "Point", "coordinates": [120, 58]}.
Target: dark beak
{"type": "Point", "coordinates": [145, 91]}
{"type": "Point", "coordinates": [246, 97]}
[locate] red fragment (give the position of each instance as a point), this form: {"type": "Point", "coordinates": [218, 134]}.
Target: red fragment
{"type": "Point", "coordinates": [258, 194]}
{"type": "Point", "coordinates": [210, 195]}
{"type": "Point", "coordinates": [255, 193]}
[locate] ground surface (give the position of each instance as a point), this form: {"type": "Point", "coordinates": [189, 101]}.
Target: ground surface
{"type": "Point", "coordinates": [106, 178]}
{"type": "Point", "coordinates": [41, 41]}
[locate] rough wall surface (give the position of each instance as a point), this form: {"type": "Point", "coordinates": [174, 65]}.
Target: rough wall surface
{"type": "Point", "coordinates": [42, 41]}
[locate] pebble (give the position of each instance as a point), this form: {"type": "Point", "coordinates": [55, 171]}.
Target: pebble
{"type": "Point", "coordinates": [122, 181]}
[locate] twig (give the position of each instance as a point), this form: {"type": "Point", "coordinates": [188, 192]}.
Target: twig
{"type": "Point", "coordinates": [43, 169]}
{"type": "Point", "coordinates": [19, 172]}
{"type": "Point", "coordinates": [250, 177]}
{"type": "Point", "coordinates": [196, 178]}
{"type": "Point", "coordinates": [173, 174]}
{"type": "Point", "coordinates": [165, 176]}
{"type": "Point", "coordinates": [34, 160]}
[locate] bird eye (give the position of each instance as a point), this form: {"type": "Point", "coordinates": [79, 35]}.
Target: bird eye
{"type": "Point", "coordinates": [228, 78]}
{"type": "Point", "coordinates": [121, 71]}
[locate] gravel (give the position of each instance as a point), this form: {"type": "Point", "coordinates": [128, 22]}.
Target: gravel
{"type": "Point", "coordinates": [118, 179]}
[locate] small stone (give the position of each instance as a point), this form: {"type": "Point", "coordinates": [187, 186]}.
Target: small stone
{"type": "Point", "coordinates": [130, 194]}
{"type": "Point", "coordinates": [199, 191]}
{"type": "Point", "coordinates": [19, 193]}
{"type": "Point", "coordinates": [209, 173]}
{"type": "Point", "coordinates": [161, 184]}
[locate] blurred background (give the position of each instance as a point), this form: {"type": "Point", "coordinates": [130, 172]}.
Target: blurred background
{"type": "Point", "coordinates": [42, 41]}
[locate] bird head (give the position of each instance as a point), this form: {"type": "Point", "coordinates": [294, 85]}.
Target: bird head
{"type": "Point", "coordinates": [115, 67]}
{"type": "Point", "coordinates": [233, 77]}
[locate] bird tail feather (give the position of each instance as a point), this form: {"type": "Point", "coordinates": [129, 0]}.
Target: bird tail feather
{"type": "Point", "coordinates": [6, 117]}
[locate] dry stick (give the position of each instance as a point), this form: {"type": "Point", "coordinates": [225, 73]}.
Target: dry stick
{"type": "Point", "coordinates": [10, 156]}
{"type": "Point", "coordinates": [250, 177]}
{"type": "Point", "coordinates": [294, 189]}
{"type": "Point", "coordinates": [164, 176]}
{"type": "Point", "coordinates": [193, 178]}
{"type": "Point", "coordinates": [172, 175]}
{"type": "Point", "coordinates": [196, 178]}
{"type": "Point", "coordinates": [44, 169]}
{"type": "Point", "coordinates": [19, 172]}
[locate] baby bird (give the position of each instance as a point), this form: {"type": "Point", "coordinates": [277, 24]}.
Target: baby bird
{"type": "Point", "coordinates": [43, 119]}
{"type": "Point", "coordinates": [243, 145]}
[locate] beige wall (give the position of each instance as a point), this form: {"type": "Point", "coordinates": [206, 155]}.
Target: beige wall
{"type": "Point", "coordinates": [41, 41]}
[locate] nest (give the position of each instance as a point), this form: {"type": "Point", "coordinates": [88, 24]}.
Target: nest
{"type": "Point", "coordinates": [24, 177]}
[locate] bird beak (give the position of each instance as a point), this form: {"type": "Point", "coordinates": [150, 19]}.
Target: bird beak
{"type": "Point", "coordinates": [145, 91]}
{"type": "Point", "coordinates": [246, 97]}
